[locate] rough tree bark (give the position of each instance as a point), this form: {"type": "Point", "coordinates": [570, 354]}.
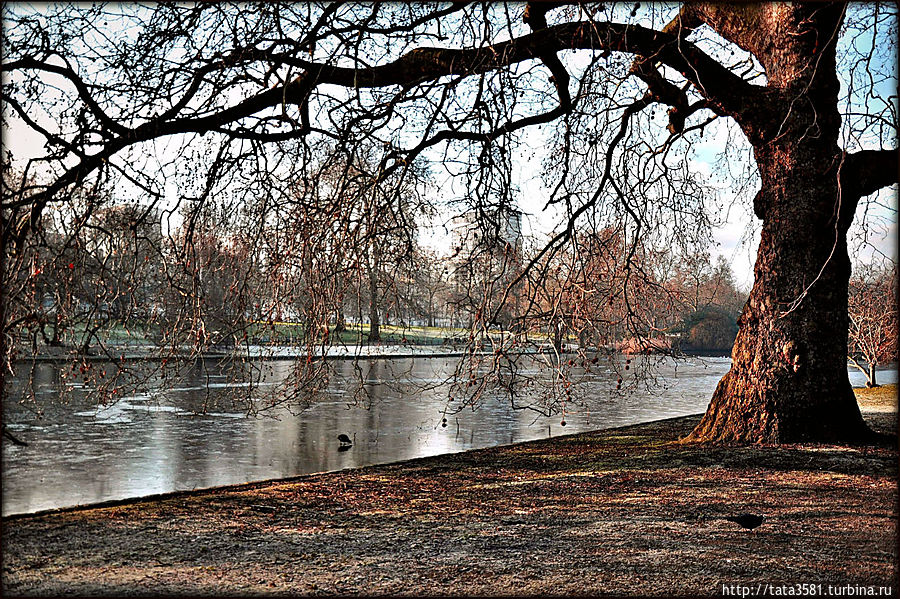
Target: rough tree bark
{"type": "Point", "coordinates": [788, 380]}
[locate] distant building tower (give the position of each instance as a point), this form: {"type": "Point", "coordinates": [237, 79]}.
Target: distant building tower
{"type": "Point", "coordinates": [498, 233]}
{"type": "Point", "coordinates": [486, 255]}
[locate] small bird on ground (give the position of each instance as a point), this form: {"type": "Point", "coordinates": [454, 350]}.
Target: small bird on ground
{"type": "Point", "coordinates": [346, 443]}
{"type": "Point", "coordinates": [749, 521]}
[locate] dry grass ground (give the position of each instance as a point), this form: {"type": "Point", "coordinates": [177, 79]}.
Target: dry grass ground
{"type": "Point", "coordinates": [883, 398]}
{"type": "Point", "coordinates": [624, 512]}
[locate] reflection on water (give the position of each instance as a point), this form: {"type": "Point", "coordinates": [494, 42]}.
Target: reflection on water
{"type": "Point", "coordinates": [144, 444]}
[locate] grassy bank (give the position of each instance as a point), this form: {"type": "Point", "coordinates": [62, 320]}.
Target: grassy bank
{"type": "Point", "coordinates": [292, 333]}
{"type": "Point", "coordinates": [881, 398]}
{"type": "Point", "coordinates": [286, 333]}
{"type": "Point", "coordinates": [625, 511]}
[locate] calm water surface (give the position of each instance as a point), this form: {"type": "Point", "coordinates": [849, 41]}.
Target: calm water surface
{"type": "Point", "coordinates": [80, 453]}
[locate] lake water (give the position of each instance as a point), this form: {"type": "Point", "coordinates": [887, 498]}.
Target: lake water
{"type": "Point", "coordinates": [81, 453]}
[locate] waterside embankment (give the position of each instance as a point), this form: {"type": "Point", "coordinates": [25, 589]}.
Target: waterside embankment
{"type": "Point", "coordinates": [625, 511]}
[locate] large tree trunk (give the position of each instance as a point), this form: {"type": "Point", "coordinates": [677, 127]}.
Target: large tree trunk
{"type": "Point", "coordinates": [788, 380]}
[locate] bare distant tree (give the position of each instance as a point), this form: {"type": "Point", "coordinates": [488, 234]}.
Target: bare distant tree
{"type": "Point", "coordinates": [432, 285]}
{"type": "Point", "coordinates": [708, 301]}
{"type": "Point", "coordinates": [873, 319]}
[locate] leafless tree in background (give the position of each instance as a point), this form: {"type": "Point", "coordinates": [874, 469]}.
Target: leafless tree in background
{"type": "Point", "coordinates": [237, 109]}
{"type": "Point", "coordinates": [873, 318]}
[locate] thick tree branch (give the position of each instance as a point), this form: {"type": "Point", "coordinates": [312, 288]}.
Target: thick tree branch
{"type": "Point", "coordinates": [863, 173]}
{"type": "Point", "coordinates": [867, 171]}
{"type": "Point", "coordinates": [749, 26]}
{"type": "Point", "coordinates": [536, 17]}
{"type": "Point", "coordinates": [663, 90]}
{"type": "Point", "coordinates": [715, 82]}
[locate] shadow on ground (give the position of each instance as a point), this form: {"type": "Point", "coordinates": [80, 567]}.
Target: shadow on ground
{"type": "Point", "coordinates": [626, 512]}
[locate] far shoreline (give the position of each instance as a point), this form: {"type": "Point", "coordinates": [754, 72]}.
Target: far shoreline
{"type": "Point", "coordinates": [379, 353]}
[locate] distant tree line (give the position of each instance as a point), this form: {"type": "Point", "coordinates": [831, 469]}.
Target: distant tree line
{"type": "Point", "coordinates": [120, 273]}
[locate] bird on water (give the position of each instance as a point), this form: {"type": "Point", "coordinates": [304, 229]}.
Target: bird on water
{"type": "Point", "coordinates": [749, 521]}
{"type": "Point", "coordinates": [11, 437]}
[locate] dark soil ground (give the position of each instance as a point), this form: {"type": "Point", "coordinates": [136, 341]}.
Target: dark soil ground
{"type": "Point", "coordinates": [624, 512]}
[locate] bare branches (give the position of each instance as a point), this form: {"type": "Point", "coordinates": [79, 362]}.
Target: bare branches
{"type": "Point", "coordinates": [725, 90]}
{"type": "Point", "coordinates": [84, 93]}
{"type": "Point", "coordinates": [873, 318]}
